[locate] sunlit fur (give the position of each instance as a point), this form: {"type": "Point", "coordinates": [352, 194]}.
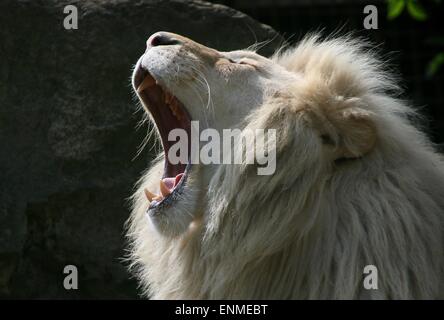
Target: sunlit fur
{"type": "Point", "coordinates": [356, 184]}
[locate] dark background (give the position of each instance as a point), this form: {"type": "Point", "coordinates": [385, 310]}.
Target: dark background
{"type": "Point", "coordinates": [67, 118]}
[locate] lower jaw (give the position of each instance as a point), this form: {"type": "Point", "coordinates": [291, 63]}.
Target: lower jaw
{"type": "Point", "coordinates": [175, 195]}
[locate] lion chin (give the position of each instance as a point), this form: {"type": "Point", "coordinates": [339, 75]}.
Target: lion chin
{"type": "Point", "coordinates": [356, 182]}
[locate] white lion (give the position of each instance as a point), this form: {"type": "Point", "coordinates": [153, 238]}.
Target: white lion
{"type": "Point", "coordinates": [356, 182]}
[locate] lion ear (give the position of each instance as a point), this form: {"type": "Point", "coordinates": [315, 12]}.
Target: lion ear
{"type": "Point", "coordinates": [356, 131]}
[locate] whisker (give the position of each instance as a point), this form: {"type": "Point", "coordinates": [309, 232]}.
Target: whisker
{"type": "Point", "coordinates": [204, 82]}
{"type": "Point", "coordinates": [259, 45]}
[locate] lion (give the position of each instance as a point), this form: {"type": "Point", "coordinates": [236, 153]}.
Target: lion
{"type": "Point", "coordinates": [357, 183]}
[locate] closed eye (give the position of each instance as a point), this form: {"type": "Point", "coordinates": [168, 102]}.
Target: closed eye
{"type": "Point", "coordinates": [244, 61]}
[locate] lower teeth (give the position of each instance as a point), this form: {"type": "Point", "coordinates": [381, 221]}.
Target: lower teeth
{"type": "Point", "coordinates": [166, 185]}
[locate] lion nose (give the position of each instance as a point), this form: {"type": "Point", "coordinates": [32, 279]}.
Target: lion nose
{"type": "Point", "coordinates": [162, 39]}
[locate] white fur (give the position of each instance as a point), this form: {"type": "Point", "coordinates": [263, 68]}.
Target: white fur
{"type": "Point", "coordinates": [307, 231]}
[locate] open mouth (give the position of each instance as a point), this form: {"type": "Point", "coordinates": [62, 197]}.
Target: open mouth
{"type": "Point", "coordinates": [168, 113]}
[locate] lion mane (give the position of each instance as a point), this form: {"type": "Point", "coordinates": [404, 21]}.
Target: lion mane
{"type": "Point", "coordinates": [308, 230]}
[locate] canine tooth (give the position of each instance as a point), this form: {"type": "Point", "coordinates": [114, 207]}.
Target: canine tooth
{"type": "Point", "coordinates": [146, 83]}
{"type": "Point", "coordinates": [149, 195]}
{"type": "Point", "coordinates": [164, 189]}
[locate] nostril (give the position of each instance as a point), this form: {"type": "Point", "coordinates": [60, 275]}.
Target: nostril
{"type": "Point", "coordinates": [161, 39]}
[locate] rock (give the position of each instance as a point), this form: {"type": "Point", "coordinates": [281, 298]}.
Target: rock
{"type": "Point", "coordinates": [68, 138]}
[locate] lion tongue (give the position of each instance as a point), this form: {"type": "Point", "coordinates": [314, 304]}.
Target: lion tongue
{"type": "Point", "coordinates": [168, 184]}
{"type": "Point", "coordinates": [166, 187]}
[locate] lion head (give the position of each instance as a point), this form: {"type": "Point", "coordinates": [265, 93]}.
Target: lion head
{"type": "Point", "coordinates": [355, 183]}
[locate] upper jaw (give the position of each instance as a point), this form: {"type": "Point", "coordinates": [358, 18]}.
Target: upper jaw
{"type": "Point", "coordinates": [137, 76]}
